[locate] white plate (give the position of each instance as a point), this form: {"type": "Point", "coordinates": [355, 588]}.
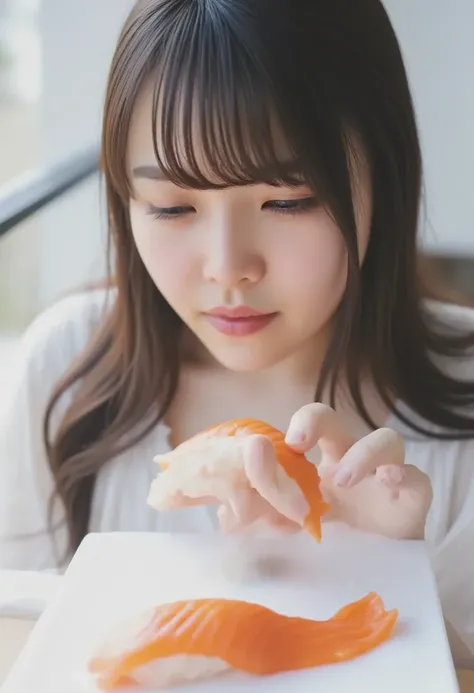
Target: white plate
{"type": "Point", "coordinates": [114, 575]}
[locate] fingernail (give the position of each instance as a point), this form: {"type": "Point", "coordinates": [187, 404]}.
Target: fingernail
{"type": "Point", "coordinates": [396, 474]}
{"type": "Point", "coordinates": [342, 477]}
{"type": "Point", "coordinates": [295, 436]}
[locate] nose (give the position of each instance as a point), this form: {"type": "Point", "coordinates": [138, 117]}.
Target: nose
{"type": "Point", "coordinates": [232, 258]}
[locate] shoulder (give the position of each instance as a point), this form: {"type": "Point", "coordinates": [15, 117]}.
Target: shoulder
{"type": "Point", "coordinates": [457, 365]}
{"type": "Point", "coordinates": [449, 533]}
{"type": "Point", "coordinates": [60, 333]}
{"type": "Point", "coordinates": [450, 466]}
{"type": "Point", "coordinates": [455, 321]}
{"type": "Point", "coordinates": [450, 315]}
{"type": "Point", "coordinates": [448, 462]}
{"type": "Point", "coordinates": [47, 349]}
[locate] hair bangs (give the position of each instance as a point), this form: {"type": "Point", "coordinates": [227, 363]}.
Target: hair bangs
{"type": "Point", "coordinates": [214, 119]}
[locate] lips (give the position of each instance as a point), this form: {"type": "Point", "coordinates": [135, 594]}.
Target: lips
{"type": "Point", "coordinates": [240, 321]}
{"type": "Point", "coordinates": [237, 312]}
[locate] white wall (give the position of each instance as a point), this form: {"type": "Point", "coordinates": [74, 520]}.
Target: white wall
{"type": "Point", "coordinates": [78, 40]}
{"type": "Point", "coordinates": [437, 38]}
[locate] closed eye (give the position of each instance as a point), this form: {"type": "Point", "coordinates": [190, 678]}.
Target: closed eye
{"type": "Point", "coordinates": [169, 212]}
{"type": "Point", "coordinates": [300, 206]}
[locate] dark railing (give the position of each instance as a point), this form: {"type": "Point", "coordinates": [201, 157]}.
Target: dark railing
{"type": "Point", "coordinates": [33, 191]}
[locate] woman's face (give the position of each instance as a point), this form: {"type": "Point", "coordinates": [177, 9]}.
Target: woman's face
{"type": "Point", "coordinates": [255, 272]}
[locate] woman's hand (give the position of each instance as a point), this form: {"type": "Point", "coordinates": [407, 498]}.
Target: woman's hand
{"type": "Point", "coordinates": [366, 482]}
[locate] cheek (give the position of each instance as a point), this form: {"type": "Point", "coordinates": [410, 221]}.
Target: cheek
{"type": "Point", "coordinates": [314, 265]}
{"type": "Point", "coordinates": [164, 255]}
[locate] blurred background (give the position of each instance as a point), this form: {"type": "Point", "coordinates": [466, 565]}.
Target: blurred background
{"type": "Point", "coordinates": [54, 58]}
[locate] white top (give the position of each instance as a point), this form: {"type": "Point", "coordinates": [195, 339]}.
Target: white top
{"type": "Point", "coordinates": [48, 348]}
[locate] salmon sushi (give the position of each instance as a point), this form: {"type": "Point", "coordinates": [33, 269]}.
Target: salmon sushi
{"type": "Point", "coordinates": [212, 464]}
{"type": "Point", "coordinates": [199, 639]}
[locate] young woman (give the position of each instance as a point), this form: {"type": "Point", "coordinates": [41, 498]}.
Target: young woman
{"type": "Point", "coordinates": [263, 179]}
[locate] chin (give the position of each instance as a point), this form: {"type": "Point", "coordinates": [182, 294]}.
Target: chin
{"type": "Point", "coordinates": [246, 360]}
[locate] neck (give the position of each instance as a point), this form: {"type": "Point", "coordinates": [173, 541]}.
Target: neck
{"type": "Point", "coordinates": [299, 370]}
{"type": "Point", "coordinates": [273, 394]}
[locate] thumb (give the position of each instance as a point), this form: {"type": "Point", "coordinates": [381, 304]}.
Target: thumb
{"type": "Point", "coordinates": [270, 480]}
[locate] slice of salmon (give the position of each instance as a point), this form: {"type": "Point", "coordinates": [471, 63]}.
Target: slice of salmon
{"type": "Point", "coordinates": [237, 635]}
{"type": "Point", "coordinates": [213, 459]}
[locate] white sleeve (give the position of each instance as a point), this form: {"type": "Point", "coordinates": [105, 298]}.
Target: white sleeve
{"type": "Point", "coordinates": [450, 524]}
{"type": "Point", "coordinates": [454, 556]}
{"type": "Point", "coordinates": [26, 483]}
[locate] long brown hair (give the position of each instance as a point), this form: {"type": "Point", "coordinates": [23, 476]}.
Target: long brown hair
{"type": "Point", "coordinates": [228, 68]}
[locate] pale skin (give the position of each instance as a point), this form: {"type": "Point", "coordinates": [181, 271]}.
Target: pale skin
{"type": "Point", "coordinates": [366, 482]}
{"type": "Point", "coordinates": [276, 250]}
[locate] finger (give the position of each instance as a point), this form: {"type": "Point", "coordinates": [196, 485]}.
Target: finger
{"type": "Point", "coordinates": [230, 524]}
{"type": "Point", "coordinates": [318, 424]}
{"type": "Point", "coordinates": [281, 523]}
{"type": "Point", "coordinates": [228, 521]}
{"type": "Point", "coordinates": [417, 485]}
{"type": "Point", "coordinates": [258, 511]}
{"type": "Point", "coordinates": [246, 507]}
{"type": "Point", "coordinates": [270, 480]}
{"type": "Point", "coordinates": [383, 447]}
{"type": "Point", "coordinates": [391, 475]}
{"type": "Point", "coordinates": [179, 500]}
{"type": "Point", "coordinates": [415, 495]}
